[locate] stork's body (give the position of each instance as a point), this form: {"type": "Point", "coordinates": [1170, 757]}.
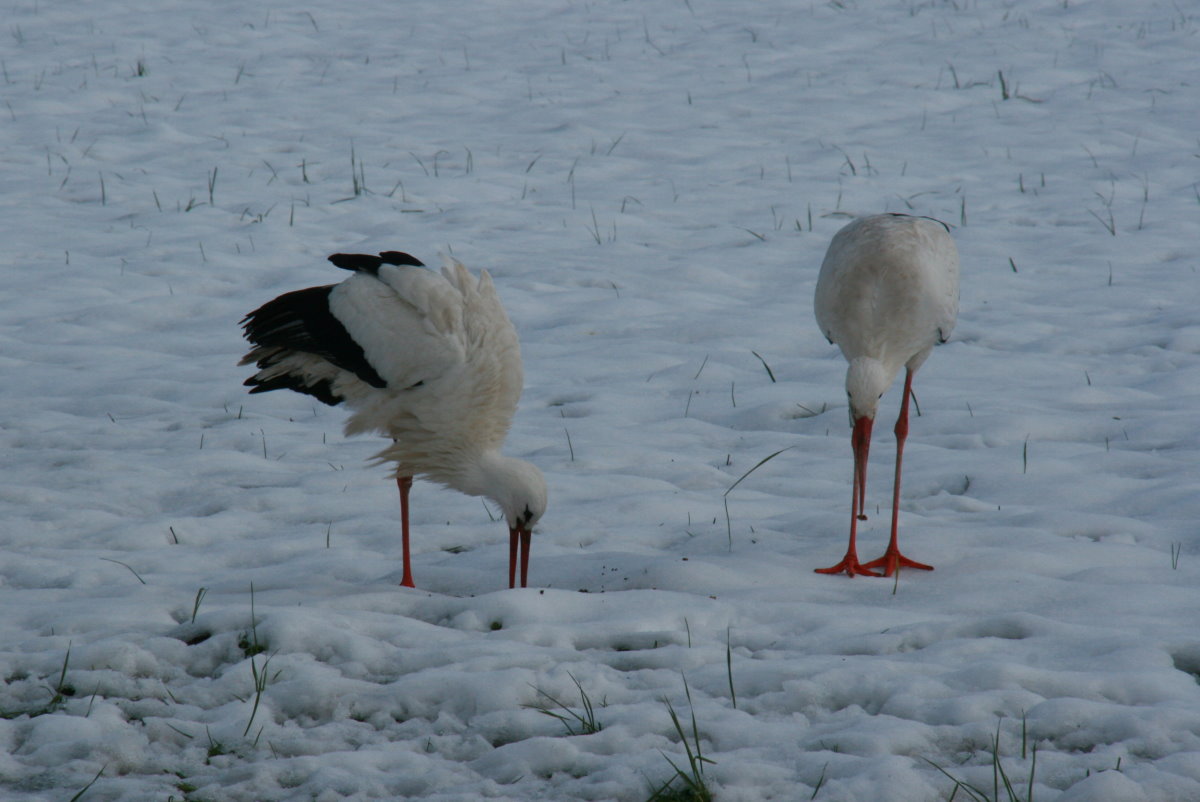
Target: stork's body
{"type": "Point", "coordinates": [886, 295]}
{"type": "Point", "coordinates": [428, 359]}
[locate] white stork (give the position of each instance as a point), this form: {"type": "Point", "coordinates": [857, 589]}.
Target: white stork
{"type": "Point", "coordinates": [428, 359]}
{"type": "Point", "coordinates": [886, 295]}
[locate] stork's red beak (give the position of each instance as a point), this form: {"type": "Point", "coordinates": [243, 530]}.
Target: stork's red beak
{"type": "Point", "coordinates": [860, 441]}
{"type": "Point", "coordinates": [523, 536]}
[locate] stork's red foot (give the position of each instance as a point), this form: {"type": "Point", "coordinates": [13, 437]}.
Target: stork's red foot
{"type": "Point", "coordinates": [893, 560]}
{"type": "Point", "coordinates": [850, 566]}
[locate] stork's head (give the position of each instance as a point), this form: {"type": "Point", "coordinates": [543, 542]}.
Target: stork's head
{"type": "Point", "coordinates": [523, 496]}
{"type": "Point", "coordinates": [866, 382]}
{"type": "Point", "coordinates": [520, 490]}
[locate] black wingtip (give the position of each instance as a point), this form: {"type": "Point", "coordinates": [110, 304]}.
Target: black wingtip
{"type": "Point", "coordinates": [358, 262]}
{"type": "Point", "coordinates": [400, 258]}
{"type": "Point", "coordinates": [366, 263]}
{"type": "Point", "coordinates": [320, 390]}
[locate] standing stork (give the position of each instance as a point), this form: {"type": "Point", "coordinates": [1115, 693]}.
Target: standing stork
{"type": "Point", "coordinates": [886, 295]}
{"type": "Point", "coordinates": [428, 359]}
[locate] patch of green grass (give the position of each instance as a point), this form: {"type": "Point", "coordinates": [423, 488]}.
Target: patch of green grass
{"type": "Point", "coordinates": [251, 647]}
{"type": "Point", "coordinates": [687, 785]}
{"type": "Point", "coordinates": [248, 641]}
{"type": "Point", "coordinates": [249, 644]}
{"type": "Point", "coordinates": [581, 723]}
{"type": "Point", "coordinates": [261, 680]}
{"type": "Point", "coordinates": [1003, 789]}
{"type": "Point", "coordinates": [61, 690]}
{"type": "Point", "coordinates": [215, 748]}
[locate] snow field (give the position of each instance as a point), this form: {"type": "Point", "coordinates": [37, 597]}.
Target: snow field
{"type": "Point", "coordinates": [652, 186]}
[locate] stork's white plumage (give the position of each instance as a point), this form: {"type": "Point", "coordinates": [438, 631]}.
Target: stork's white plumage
{"type": "Point", "coordinates": [886, 295]}
{"type": "Point", "coordinates": [428, 359]}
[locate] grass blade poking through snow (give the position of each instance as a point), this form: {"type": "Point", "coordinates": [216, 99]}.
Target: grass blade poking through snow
{"type": "Point", "coordinates": [725, 496]}
{"type": "Point", "coordinates": [261, 680]}
{"type": "Point", "coordinates": [729, 666]}
{"type": "Point", "coordinates": [62, 690]}
{"type": "Point", "coordinates": [200, 594]}
{"type": "Point", "coordinates": [84, 789]}
{"type": "Point", "coordinates": [758, 465]}
{"type": "Point", "coordinates": [770, 372]}
{"type": "Point", "coordinates": [118, 562]}
{"type": "Point", "coordinates": [820, 782]}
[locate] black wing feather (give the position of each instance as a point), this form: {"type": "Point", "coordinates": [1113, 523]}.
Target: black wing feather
{"type": "Point", "coordinates": [322, 390]}
{"type": "Point", "coordinates": [300, 321]}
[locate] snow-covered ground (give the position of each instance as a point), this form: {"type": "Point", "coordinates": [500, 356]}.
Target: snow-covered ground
{"type": "Point", "coordinates": [198, 588]}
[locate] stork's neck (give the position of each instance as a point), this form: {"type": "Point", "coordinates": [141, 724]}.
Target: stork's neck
{"type": "Point", "coordinates": [482, 476]}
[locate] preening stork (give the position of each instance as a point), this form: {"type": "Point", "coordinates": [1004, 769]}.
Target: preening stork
{"type": "Point", "coordinates": [886, 295]}
{"type": "Point", "coordinates": [428, 359]}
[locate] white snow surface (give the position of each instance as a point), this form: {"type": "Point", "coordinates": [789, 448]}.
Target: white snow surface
{"type": "Point", "coordinates": [652, 185]}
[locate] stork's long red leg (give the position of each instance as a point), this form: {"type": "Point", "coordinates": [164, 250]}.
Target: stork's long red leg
{"type": "Point", "coordinates": [860, 476]}
{"type": "Point", "coordinates": [525, 538]}
{"type": "Point", "coordinates": [892, 559]}
{"type": "Point", "coordinates": [860, 440]}
{"type": "Point", "coordinates": [518, 537]}
{"type": "Point", "coordinates": [405, 483]}
{"type": "Point", "coordinates": [512, 557]}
